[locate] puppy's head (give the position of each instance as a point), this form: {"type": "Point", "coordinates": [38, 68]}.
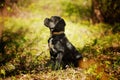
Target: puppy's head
{"type": "Point", "coordinates": [55, 23]}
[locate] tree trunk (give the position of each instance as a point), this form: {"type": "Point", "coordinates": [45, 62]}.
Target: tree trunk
{"type": "Point", "coordinates": [97, 16]}
{"type": "Point", "coordinates": [107, 11]}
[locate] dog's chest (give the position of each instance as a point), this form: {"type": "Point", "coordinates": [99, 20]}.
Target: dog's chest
{"type": "Point", "coordinates": [51, 44]}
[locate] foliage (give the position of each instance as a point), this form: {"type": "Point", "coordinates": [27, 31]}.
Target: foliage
{"type": "Point", "coordinates": [18, 46]}
{"type": "Point", "coordinates": [110, 10]}
{"type": "Point", "coordinates": [76, 10]}
{"type": "Point", "coordinates": [106, 11]}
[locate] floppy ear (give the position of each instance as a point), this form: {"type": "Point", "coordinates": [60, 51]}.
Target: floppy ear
{"type": "Point", "coordinates": [61, 23]}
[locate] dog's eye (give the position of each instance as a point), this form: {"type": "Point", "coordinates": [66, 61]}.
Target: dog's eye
{"type": "Point", "coordinates": [52, 19]}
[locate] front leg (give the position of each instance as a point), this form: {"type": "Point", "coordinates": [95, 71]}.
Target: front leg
{"type": "Point", "coordinates": [58, 61]}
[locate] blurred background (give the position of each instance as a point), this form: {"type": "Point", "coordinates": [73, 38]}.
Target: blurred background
{"type": "Point", "coordinates": [93, 26]}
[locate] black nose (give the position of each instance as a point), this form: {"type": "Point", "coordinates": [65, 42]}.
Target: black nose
{"type": "Point", "coordinates": [46, 20]}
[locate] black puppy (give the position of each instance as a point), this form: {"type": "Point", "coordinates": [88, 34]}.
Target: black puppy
{"type": "Point", "coordinates": [62, 52]}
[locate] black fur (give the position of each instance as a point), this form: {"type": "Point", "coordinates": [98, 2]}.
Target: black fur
{"type": "Point", "coordinates": [62, 52]}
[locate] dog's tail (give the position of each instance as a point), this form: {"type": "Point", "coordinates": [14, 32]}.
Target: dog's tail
{"type": "Point", "coordinates": [78, 56]}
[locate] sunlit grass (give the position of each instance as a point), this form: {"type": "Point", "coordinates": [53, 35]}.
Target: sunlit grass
{"type": "Point", "coordinates": [78, 34]}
